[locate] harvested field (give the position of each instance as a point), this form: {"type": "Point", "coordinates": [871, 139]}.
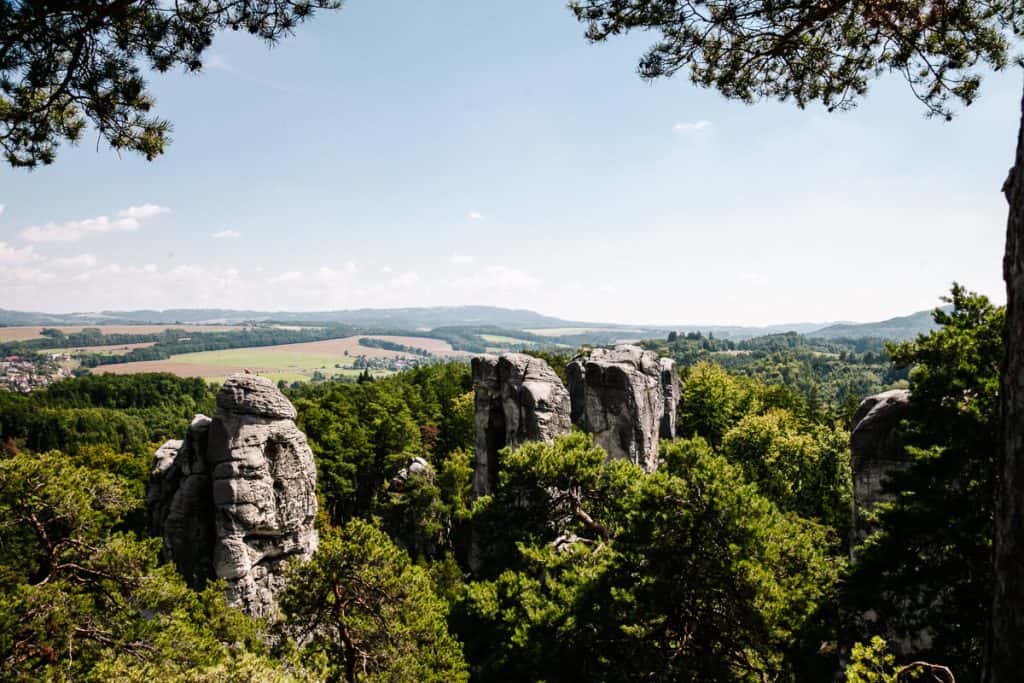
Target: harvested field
{"type": "Point", "coordinates": [108, 349]}
{"type": "Point", "coordinates": [171, 366]}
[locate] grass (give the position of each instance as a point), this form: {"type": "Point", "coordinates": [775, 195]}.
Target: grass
{"type": "Point", "coordinates": [500, 339]}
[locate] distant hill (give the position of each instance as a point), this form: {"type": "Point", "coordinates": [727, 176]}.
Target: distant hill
{"type": "Point", "coordinates": [895, 329]}
{"type": "Point", "coordinates": [397, 318]}
{"type": "Point", "coordinates": [428, 318]}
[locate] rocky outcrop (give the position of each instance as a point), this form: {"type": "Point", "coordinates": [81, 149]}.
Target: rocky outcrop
{"type": "Point", "coordinates": [418, 467]}
{"type": "Point", "coordinates": [671, 391]}
{"type": "Point", "coordinates": [619, 397]}
{"type": "Point", "coordinates": [876, 451]}
{"type": "Point", "coordinates": [518, 398]}
{"type": "Point", "coordinates": [236, 500]}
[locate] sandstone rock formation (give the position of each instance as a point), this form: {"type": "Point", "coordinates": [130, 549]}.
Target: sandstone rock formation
{"type": "Point", "coordinates": [418, 467]}
{"type": "Point", "coordinates": [237, 498]}
{"type": "Point", "coordinates": [619, 397]}
{"type": "Point", "coordinates": [876, 450]}
{"type": "Point", "coordinates": [518, 398]}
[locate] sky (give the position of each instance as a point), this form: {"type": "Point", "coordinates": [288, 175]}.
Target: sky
{"type": "Point", "coordinates": [398, 154]}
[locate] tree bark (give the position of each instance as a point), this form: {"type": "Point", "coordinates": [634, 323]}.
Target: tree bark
{"type": "Point", "coordinates": [1005, 648]}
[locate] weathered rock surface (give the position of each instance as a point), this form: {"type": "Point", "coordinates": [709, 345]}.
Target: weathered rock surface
{"type": "Point", "coordinates": [876, 450]}
{"type": "Point", "coordinates": [237, 498]}
{"type": "Point", "coordinates": [418, 467]}
{"type": "Point", "coordinates": [619, 397]}
{"type": "Point", "coordinates": [518, 398]}
{"type": "Point", "coordinates": [671, 391]}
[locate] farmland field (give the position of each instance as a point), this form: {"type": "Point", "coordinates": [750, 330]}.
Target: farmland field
{"type": "Point", "coordinates": [565, 331]}
{"type": "Point", "coordinates": [108, 349]}
{"type": "Point", "coordinates": [290, 362]}
{"type": "Point", "coordinates": [34, 332]}
{"type": "Point", "coordinates": [501, 339]}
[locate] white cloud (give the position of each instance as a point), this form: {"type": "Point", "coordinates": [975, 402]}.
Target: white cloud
{"type": "Point", "coordinates": [385, 269]}
{"type": "Point", "coordinates": [72, 262]}
{"type": "Point", "coordinates": [476, 216]}
{"type": "Point", "coordinates": [404, 280]}
{"type": "Point", "coordinates": [142, 212]}
{"type": "Point", "coordinates": [127, 220]}
{"type": "Point", "coordinates": [226, 235]}
{"type": "Point", "coordinates": [24, 276]}
{"type": "Point", "coordinates": [290, 276]}
{"type": "Point", "coordinates": [461, 259]}
{"type": "Point", "coordinates": [752, 278]}
{"type": "Point", "coordinates": [12, 255]}
{"type": "Point", "coordinates": [689, 128]}
{"type": "Point", "coordinates": [498, 278]}
{"type": "Point", "coordinates": [2, 207]}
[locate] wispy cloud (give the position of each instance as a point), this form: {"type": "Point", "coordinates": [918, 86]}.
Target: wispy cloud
{"type": "Point", "coordinates": [72, 262]}
{"type": "Point", "coordinates": [142, 212]}
{"type": "Point", "coordinates": [24, 276]}
{"type": "Point", "coordinates": [404, 280]}
{"type": "Point", "coordinates": [127, 220]}
{"type": "Point", "coordinates": [226, 235]}
{"type": "Point", "coordinates": [461, 259]}
{"type": "Point", "coordinates": [498, 278]}
{"type": "Point", "coordinates": [290, 276]}
{"type": "Point", "coordinates": [2, 207]}
{"type": "Point", "coordinates": [12, 255]}
{"type": "Point", "coordinates": [476, 216]}
{"type": "Point", "coordinates": [686, 128]}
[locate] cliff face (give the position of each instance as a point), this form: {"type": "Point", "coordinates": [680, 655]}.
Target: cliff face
{"type": "Point", "coordinates": [626, 397]}
{"type": "Point", "coordinates": [518, 398]}
{"type": "Point", "coordinates": [876, 451]}
{"type": "Point", "coordinates": [236, 499]}
{"type": "Point", "coordinates": [622, 396]}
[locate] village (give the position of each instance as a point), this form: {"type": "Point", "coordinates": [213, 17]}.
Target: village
{"type": "Point", "coordinates": [25, 373]}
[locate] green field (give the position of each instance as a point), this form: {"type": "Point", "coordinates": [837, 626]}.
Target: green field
{"type": "Point", "coordinates": [501, 339]}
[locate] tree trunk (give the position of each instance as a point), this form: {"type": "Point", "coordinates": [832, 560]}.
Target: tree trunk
{"type": "Point", "coordinates": [1005, 656]}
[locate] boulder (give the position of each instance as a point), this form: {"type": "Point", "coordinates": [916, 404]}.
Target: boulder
{"type": "Point", "coordinates": [418, 467]}
{"type": "Point", "coordinates": [518, 398]}
{"type": "Point", "coordinates": [620, 398]}
{"type": "Point", "coordinates": [876, 451]}
{"type": "Point", "coordinates": [237, 499]}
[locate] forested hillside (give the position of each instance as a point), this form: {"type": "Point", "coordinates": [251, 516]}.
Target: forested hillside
{"type": "Point", "coordinates": [730, 562]}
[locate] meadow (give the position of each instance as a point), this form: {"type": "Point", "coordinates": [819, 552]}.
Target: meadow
{"type": "Point", "coordinates": [288, 362]}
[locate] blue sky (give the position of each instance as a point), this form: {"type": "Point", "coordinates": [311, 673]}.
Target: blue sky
{"type": "Point", "coordinates": [408, 154]}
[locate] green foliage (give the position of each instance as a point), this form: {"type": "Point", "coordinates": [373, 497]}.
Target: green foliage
{"type": "Point", "coordinates": [710, 402]}
{"type": "Point", "coordinates": [804, 468]}
{"type": "Point", "coordinates": [685, 574]}
{"type": "Point", "coordinates": [368, 614]}
{"type": "Point", "coordinates": [751, 49]}
{"type": "Point", "coordinates": [80, 600]}
{"type": "Point", "coordinates": [929, 566]}
{"type": "Point", "coordinates": [373, 343]}
{"type": "Point", "coordinates": [61, 66]}
{"type": "Point", "coordinates": [362, 434]}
